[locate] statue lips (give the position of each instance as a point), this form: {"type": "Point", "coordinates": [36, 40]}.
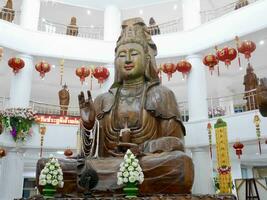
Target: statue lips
{"type": "Point", "coordinates": [128, 67]}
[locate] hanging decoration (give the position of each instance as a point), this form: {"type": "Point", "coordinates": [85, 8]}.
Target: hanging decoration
{"type": "Point", "coordinates": [211, 61]}
{"type": "Point", "coordinates": [92, 69]}
{"type": "Point", "coordinates": [245, 47]}
{"type": "Point", "coordinates": [184, 67]}
{"type": "Point", "coordinates": [82, 72]}
{"type": "Point", "coordinates": [258, 130]}
{"type": "Point", "coordinates": [68, 152]}
{"type": "Point", "coordinates": [2, 152]}
{"type": "Point", "coordinates": [209, 128]}
{"type": "Point", "coordinates": [226, 55]}
{"type": "Point", "coordinates": [223, 159]}
{"type": "Point", "coordinates": [42, 67]}
{"type": "Point", "coordinates": [101, 73]}
{"type": "Point", "coordinates": [16, 64]}
{"type": "Point", "coordinates": [238, 146]}
{"type": "Point", "coordinates": [61, 63]}
{"type": "Point", "coordinates": [169, 69]}
{"type": "Point", "coordinates": [1, 53]}
{"type": "Point", "coordinates": [42, 131]}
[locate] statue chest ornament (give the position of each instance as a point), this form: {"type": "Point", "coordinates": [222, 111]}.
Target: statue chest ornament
{"type": "Point", "coordinates": [129, 107]}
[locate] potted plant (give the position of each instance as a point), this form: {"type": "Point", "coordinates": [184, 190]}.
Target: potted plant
{"type": "Point", "coordinates": [51, 177]}
{"type": "Point", "coordinates": [130, 174]}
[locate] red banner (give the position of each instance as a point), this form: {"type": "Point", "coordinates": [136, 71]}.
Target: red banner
{"type": "Point", "coordinates": [57, 119]}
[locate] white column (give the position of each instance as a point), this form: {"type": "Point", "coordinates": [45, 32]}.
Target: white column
{"type": "Point", "coordinates": [112, 23]}
{"type": "Point", "coordinates": [20, 90]}
{"type": "Point", "coordinates": [203, 181]}
{"type": "Point", "coordinates": [29, 17]}
{"type": "Point", "coordinates": [191, 14]}
{"type": "Point", "coordinates": [235, 171]}
{"type": "Point", "coordinates": [249, 171]}
{"type": "Point", "coordinates": [11, 182]}
{"type": "Point", "coordinates": [197, 89]}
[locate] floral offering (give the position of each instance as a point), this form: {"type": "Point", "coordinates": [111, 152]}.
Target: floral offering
{"type": "Point", "coordinates": [52, 174]}
{"type": "Point", "coordinates": [18, 121]}
{"type": "Point", "coordinates": [130, 170]}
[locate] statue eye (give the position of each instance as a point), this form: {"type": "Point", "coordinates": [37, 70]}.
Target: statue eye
{"type": "Point", "coordinates": [134, 53]}
{"type": "Point", "coordinates": [122, 55]}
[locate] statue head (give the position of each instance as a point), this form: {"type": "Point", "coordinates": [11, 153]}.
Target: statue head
{"type": "Point", "coordinates": [250, 69]}
{"type": "Point", "coordinates": [73, 21]}
{"type": "Point", "coordinates": [9, 4]}
{"type": "Point", "coordinates": [135, 53]}
{"type": "Point", "coordinates": [152, 21]}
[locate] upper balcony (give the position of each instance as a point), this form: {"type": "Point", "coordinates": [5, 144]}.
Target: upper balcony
{"type": "Point", "coordinates": [226, 20]}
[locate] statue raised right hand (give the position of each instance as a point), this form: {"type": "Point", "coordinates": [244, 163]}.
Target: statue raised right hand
{"type": "Point", "coordinates": [87, 110]}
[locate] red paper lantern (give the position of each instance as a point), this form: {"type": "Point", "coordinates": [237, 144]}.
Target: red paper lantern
{"type": "Point", "coordinates": [82, 72]}
{"type": "Point", "coordinates": [238, 146]}
{"type": "Point", "coordinates": [101, 73]}
{"type": "Point", "coordinates": [169, 69]}
{"type": "Point", "coordinates": [2, 152]}
{"type": "Point", "coordinates": [211, 61]}
{"type": "Point", "coordinates": [42, 67]}
{"type": "Point", "coordinates": [16, 64]}
{"type": "Point", "coordinates": [246, 47]}
{"type": "Point", "coordinates": [68, 152]}
{"type": "Point", "coordinates": [184, 67]}
{"type": "Point", "coordinates": [226, 55]}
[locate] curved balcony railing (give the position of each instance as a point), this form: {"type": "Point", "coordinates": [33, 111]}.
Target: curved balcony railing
{"type": "Point", "coordinates": [221, 106]}
{"type": "Point", "coordinates": [171, 26]}
{"type": "Point", "coordinates": [80, 31]}
{"type": "Point", "coordinates": [208, 15]}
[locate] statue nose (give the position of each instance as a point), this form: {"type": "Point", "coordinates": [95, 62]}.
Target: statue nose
{"type": "Point", "coordinates": [128, 62]}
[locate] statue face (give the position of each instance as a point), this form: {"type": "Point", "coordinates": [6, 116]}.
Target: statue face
{"type": "Point", "coordinates": [130, 61]}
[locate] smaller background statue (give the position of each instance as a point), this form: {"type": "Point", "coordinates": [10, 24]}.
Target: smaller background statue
{"type": "Point", "coordinates": [153, 29]}
{"type": "Point", "coordinates": [64, 100]}
{"type": "Point", "coordinates": [7, 13]}
{"type": "Point", "coordinates": [72, 29]}
{"type": "Point", "coordinates": [251, 83]}
{"type": "Point", "coordinates": [241, 3]}
{"type": "Point", "coordinates": [262, 96]}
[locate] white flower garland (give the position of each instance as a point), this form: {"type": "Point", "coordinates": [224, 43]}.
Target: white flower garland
{"type": "Point", "coordinates": [130, 170]}
{"type": "Point", "coordinates": [52, 174]}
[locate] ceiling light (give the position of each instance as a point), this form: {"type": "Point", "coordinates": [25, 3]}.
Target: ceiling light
{"type": "Point", "coordinates": [53, 66]}
{"type": "Point", "coordinates": [43, 19]}
{"type": "Point", "coordinates": [261, 42]}
{"type": "Point", "coordinates": [88, 12]}
{"type": "Point", "coordinates": [92, 26]}
{"type": "Point", "coordinates": [140, 12]}
{"type": "Point", "coordinates": [175, 7]}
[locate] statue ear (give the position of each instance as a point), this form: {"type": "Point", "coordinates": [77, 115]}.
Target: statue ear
{"type": "Point", "coordinates": [150, 72]}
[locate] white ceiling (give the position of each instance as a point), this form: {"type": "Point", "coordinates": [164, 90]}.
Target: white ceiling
{"type": "Point", "coordinates": [121, 4]}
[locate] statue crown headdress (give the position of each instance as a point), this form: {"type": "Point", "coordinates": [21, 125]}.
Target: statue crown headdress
{"type": "Point", "coordinates": [135, 31]}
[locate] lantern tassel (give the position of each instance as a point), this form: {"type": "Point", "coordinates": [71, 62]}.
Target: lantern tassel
{"type": "Point", "coordinates": [91, 84]}
{"type": "Point", "coordinates": [259, 143]}
{"type": "Point", "coordinates": [218, 70]}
